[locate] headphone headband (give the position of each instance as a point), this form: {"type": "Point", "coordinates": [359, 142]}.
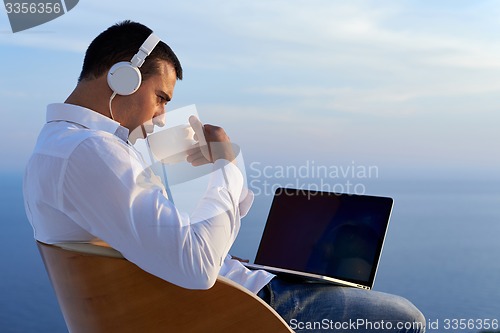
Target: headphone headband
{"type": "Point", "coordinates": [145, 50]}
{"type": "Point", "coordinates": [124, 78]}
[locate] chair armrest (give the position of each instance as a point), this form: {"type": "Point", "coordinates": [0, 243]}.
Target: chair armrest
{"type": "Point", "coordinates": [98, 248]}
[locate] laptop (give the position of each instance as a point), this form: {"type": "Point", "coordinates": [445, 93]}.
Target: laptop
{"type": "Point", "coordinates": [324, 236]}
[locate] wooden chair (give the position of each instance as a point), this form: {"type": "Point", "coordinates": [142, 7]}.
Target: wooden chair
{"type": "Point", "coordinates": [100, 291]}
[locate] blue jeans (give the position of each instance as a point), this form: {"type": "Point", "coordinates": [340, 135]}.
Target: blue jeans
{"type": "Point", "coordinates": [315, 307]}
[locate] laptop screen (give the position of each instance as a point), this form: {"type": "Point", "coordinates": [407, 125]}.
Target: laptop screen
{"type": "Point", "coordinates": [330, 234]}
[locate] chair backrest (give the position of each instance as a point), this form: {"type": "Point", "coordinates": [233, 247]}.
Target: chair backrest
{"type": "Point", "coordinates": [106, 293]}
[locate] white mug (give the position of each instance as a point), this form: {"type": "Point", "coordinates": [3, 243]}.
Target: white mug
{"type": "Point", "coordinates": [170, 145]}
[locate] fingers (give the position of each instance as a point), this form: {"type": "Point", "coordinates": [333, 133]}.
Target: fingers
{"type": "Point", "coordinates": [197, 127]}
{"type": "Point", "coordinates": [239, 259]}
{"type": "Point", "coordinates": [196, 157]}
{"type": "Point", "coordinates": [200, 161]}
{"type": "Point", "coordinates": [214, 142]}
{"type": "Point", "coordinates": [199, 135]}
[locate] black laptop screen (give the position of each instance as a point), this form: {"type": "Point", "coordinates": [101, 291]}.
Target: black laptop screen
{"type": "Point", "coordinates": [336, 235]}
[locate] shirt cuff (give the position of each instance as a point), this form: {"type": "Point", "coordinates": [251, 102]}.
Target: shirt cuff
{"type": "Point", "coordinates": [246, 201]}
{"type": "Point", "coordinates": [228, 175]}
{"type": "Point", "coordinates": [233, 175]}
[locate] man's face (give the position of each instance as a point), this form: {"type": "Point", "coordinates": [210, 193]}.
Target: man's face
{"type": "Point", "coordinates": [148, 103]}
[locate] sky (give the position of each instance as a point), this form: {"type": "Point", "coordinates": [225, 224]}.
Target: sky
{"type": "Point", "coordinates": [412, 87]}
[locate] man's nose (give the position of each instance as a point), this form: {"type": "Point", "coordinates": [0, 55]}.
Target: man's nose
{"type": "Point", "coordinates": [159, 120]}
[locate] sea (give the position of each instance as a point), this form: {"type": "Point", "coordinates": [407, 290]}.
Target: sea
{"type": "Point", "coordinates": [442, 253]}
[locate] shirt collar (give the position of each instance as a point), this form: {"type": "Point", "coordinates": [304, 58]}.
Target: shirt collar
{"type": "Point", "coordinates": [86, 118]}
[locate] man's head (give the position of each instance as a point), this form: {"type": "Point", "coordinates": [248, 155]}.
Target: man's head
{"type": "Point", "coordinates": [119, 43]}
{"type": "Point", "coordinates": [159, 73]}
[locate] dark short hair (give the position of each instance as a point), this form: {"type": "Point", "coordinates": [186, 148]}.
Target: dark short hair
{"type": "Point", "coordinates": [119, 43]}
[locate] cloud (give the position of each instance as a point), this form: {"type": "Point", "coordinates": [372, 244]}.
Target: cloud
{"type": "Point", "coordinates": [300, 31]}
{"type": "Point", "coordinates": [388, 100]}
{"type": "Point", "coordinates": [318, 34]}
{"type": "Point", "coordinates": [318, 71]}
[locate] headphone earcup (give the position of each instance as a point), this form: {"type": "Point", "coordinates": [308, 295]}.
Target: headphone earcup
{"type": "Point", "coordinates": [124, 79]}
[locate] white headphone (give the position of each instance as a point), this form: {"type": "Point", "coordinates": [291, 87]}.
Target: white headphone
{"type": "Point", "coordinates": [124, 77]}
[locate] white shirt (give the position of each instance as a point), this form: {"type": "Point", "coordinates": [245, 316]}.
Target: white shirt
{"type": "Point", "coordinates": [84, 181]}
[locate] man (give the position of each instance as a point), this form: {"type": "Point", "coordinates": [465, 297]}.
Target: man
{"type": "Point", "coordinates": [85, 181]}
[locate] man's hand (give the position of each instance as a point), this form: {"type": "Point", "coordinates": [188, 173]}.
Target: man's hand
{"type": "Point", "coordinates": [239, 259]}
{"type": "Point", "coordinates": [213, 144]}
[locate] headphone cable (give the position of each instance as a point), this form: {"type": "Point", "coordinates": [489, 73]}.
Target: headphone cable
{"type": "Point", "coordinates": [110, 109]}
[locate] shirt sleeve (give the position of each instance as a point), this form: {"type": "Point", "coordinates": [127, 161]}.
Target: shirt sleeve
{"type": "Point", "coordinates": [108, 192]}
